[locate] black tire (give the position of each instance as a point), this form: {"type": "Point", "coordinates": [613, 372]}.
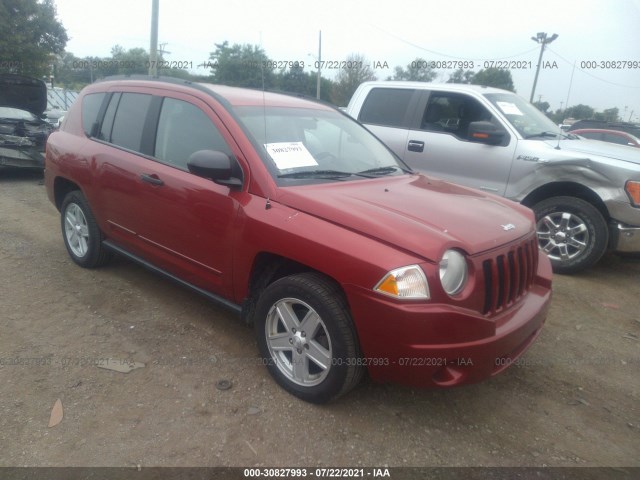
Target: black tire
{"type": "Point", "coordinates": [80, 232]}
{"type": "Point", "coordinates": [572, 232]}
{"type": "Point", "coordinates": [333, 340]}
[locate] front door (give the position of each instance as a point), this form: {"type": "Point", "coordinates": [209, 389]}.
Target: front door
{"type": "Point", "coordinates": [190, 220]}
{"type": "Point", "coordinates": [438, 143]}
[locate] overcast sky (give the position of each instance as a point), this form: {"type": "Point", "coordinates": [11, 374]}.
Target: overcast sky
{"type": "Point", "coordinates": [395, 32]}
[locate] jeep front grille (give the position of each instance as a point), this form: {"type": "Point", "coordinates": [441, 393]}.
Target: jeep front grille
{"type": "Point", "coordinates": [509, 275]}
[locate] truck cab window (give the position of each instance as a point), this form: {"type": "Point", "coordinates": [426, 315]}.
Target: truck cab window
{"type": "Point", "coordinates": [452, 113]}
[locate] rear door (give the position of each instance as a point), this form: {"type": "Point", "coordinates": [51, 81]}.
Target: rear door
{"type": "Point", "coordinates": [118, 160]}
{"type": "Point", "coordinates": [388, 113]}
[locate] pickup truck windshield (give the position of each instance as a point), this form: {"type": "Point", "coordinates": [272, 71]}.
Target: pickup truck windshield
{"type": "Point", "coordinates": [309, 146]}
{"type": "Point", "coordinates": [525, 118]}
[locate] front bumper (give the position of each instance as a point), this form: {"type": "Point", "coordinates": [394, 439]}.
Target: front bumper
{"type": "Point", "coordinates": [624, 238]}
{"type": "Point", "coordinates": [441, 345]}
{"type": "Point", "coordinates": [624, 226]}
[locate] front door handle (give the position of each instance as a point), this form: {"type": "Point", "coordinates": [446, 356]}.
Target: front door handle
{"type": "Point", "coordinates": [415, 146]}
{"type": "Point", "coordinates": [151, 178]}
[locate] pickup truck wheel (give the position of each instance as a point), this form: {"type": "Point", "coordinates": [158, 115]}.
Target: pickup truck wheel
{"type": "Point", "coordinates": [572, 232]}
{"type": "Point", "coordinates": [306, 337]}
{"type": "Point", "coordinates": [80, 232]}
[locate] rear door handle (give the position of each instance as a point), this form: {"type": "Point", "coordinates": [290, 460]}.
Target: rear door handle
{"type": "Point", "coordinates": [415, 146]}
{"type": "Point", "coordinates": [151, 178]}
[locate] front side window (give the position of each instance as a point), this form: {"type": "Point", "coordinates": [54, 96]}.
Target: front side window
{"type": "Point", "coordinates": [453, 113]}
{"type": "Point", "coordinates": [184, 129]}
{"type": "Point", "coordinates": [304, 145]}
{"type": "Point", "coordinates": [129, 120]}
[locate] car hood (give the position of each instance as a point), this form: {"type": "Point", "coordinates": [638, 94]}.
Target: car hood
{"type": "Point", "coordinates": [603, 149]}
{"type": "Point", "coordinates": [21, 92]}
{"type": "Point", "coordinates": [417, 213]}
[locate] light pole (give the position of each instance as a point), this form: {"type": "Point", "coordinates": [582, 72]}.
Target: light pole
{"type": "Point", "coordinates": [319, 63]}
{"type": "Point", "coordinates": [153, 47]}
{"type": "Point", "coordinates": [542, 39]}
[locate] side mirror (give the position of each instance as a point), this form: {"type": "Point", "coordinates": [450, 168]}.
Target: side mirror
{"type": "Point", "coordinates": [213, 165]}
{"type": "Point", "coordinates": [485, 132]}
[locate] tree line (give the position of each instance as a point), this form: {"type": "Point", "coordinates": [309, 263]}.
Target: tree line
{"type": "Point", "coordinates": [35, 42]}
{"type": "Point", "coordinates": [578, 112]}
{"type": "Point", "coordinates": [249, 66]}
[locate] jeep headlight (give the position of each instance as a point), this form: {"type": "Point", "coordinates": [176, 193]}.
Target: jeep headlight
{"type": "Point", "coordinates": [408, 283]}
{"type": "Point", "coordinates": [453, 272]}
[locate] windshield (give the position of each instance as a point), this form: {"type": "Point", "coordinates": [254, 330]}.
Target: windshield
{"type": "Point", "coordinates": [525, 118]}
{"type": "Point", "coordinates": [308, 146]}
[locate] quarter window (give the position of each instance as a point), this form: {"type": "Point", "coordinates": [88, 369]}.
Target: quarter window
{"type": "Point", "coordinates": [184, 129]}
{"type": "Point", "coordinates": [90, 108]}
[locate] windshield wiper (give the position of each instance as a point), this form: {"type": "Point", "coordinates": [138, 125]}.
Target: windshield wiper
{"type": "Point", "coordinates": [381, 170]}
{"type": "Point", "coordinates": [551, 134]}
{"type": "Point", "coordinates": [318, 174]}
{"type": "Point", "coordinates": [542, 134]}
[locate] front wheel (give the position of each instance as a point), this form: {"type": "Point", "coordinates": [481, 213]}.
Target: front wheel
{"type": "Point", "coordinates": [306, 337]}
{"type": "Point", "coordinates": [572, 232]}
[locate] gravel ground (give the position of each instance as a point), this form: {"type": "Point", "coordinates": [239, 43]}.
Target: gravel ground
{"type": "Point", "coordinates": [572, 400]}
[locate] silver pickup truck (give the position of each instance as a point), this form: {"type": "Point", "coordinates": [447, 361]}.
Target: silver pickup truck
{"type": "Point", "coordinates": [585, 193]}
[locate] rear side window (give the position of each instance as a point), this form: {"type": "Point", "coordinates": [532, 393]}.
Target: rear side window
{"type": "Point", "coordinates": [591, 135]}
{"type": "Point", "coordinates": [386, 106]}
{"type": "Point", "coordinates": [90, 108]}
{"type": "Point", "coordinates": [613, 138]}
{"type": "Point", "coordinates": [129, 121]}
{"type": "Point", "coordinates": [184, 129]}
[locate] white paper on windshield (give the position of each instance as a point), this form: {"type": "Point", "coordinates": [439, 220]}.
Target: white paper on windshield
{"type": "Point", "coordinates": [509, 108]}
{"type": "Point", "coordinates": [290, 155]}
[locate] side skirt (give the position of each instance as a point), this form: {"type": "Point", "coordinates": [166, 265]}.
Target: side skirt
{"type": "Point", "coordinates": [237, 309]}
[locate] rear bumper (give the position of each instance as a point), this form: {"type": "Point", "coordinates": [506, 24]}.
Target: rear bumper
{"type": "Point", "coordinates": [437, 345]}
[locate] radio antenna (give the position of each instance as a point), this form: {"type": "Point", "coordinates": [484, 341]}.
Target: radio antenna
{"type": "Point", "coordinates": [264, 103]}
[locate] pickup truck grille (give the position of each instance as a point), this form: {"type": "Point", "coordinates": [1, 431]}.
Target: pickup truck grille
{"type": "Point", "coordinates": [509, 275]}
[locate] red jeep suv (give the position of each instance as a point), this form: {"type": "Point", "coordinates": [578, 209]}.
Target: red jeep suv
{"type": "Point", "coordinates": [298, 219]}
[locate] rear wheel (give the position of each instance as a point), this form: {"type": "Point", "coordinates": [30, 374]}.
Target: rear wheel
{"type": "Point", "coordinates": [306, 337]}
{"type": "Point", "coordinates": [80, 232]}
{"type": "Point", "coordinates": [572, 232]}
